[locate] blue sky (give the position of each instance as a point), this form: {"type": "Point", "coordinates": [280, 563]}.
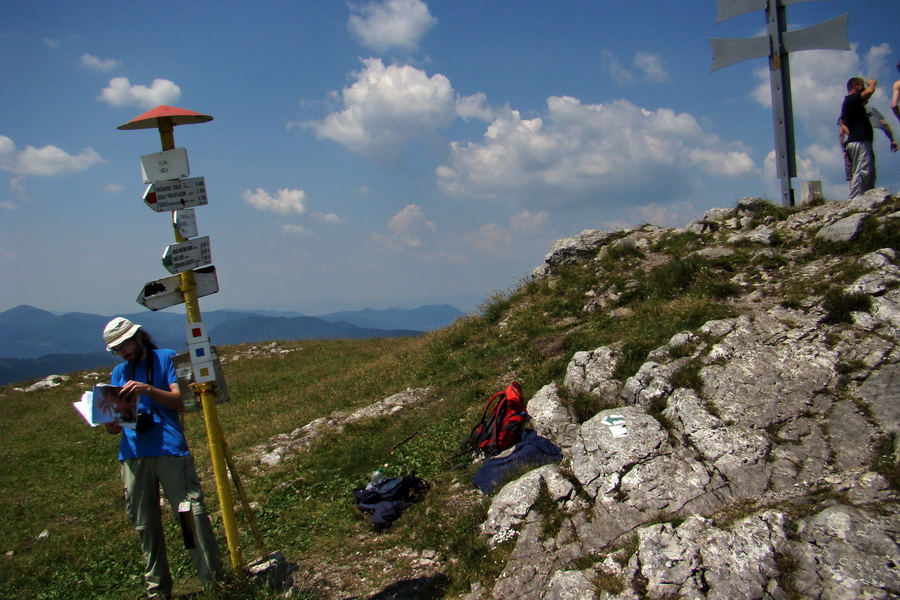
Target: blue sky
{"type": "Point", "coordinates": [393, 152]}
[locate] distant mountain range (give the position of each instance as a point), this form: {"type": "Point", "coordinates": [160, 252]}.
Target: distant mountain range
{"type": "Point", "coordinates": [35, 343]}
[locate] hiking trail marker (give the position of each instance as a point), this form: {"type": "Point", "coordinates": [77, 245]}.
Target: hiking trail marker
{"type": "Point", "coordinates": [186, 255]}
{"type": "Point", "coordinates": [163, 196]}
{"type": "Point", "coordinates": [171, 190]}
{"type": "Point", "coordinates": [167, 292]}
{"type": "Point", "coordinates": [776, 44]}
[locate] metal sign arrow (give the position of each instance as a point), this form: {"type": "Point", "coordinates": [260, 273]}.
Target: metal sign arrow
{"type": "Point", "coordinates": [727, 52]}
{"type": "Point", "coordinates": [187, 255]}
{"type": "Point", "coordinates": [163, 196]}
{"type": "Point", "coordinates": [829, 35]}
{"type": "Point", "coordinates": [733, 8]}
{"type": "Point", "coordinates": [166, 292]}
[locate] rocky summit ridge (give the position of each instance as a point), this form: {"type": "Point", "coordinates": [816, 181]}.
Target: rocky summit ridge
{"type": "Point", "coordinates": [755, 456]}
{"type": "Point", "coordinates": [774, 475]}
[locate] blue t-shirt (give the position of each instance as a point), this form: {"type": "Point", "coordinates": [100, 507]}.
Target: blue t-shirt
{"type": "Point", "coordinates": [166, 437]}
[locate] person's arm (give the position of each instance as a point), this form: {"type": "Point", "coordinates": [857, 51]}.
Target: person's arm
{"type": "Point", "coordinates": [890, 134]}
{"type": "Point", "coordinates": [170, 398]}
{"type": "Point", "coordinates": [870, 89]}
{"type": "Point", "coordinates": [895, 100]}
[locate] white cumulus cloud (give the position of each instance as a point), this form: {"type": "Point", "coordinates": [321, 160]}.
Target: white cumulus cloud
{"type": "Point", "coordinates": [48, 161]}
{"type": "Point", "coordinates": [407, 229]}
{"type": "Point", "coordinates": [651, 66]}
{"type": "Point", "coordinates": [589, 154]}
{"type": "Point", "coordinates": [327, 217]}
{"type": "Point", "coordinates": [496, 240]}
{"type": "Point", "coordinates": [120, 92]}
{"type": "Point", "coordinates": [88, 61]}
{"type": "Point", "coordinates": [391, 24]}
{"type": "Point", "coordinates": [645, 65]}
{"type": "Point", "coordinates": [284, 202]}
{"type": "Point", "coordinates": [386, 108]}
{"type": "Point", "coordinates": [295, 230]}
{"type": "Point", "coordinates": [475, 107]}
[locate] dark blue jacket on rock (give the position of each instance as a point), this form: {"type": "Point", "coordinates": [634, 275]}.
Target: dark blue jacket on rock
{"type": "Point", "coordinates": [532, 450]}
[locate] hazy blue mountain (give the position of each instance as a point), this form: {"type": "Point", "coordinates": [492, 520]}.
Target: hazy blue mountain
{"type": "Point", "coordinates": [35, 343]}
{"type": "Point", "coordinates": [424, 318]}
{"type": "Point", "coordinates": [28, 332]}
{"type": "Point", "coordinates": [254, 329]}
{"type": "Point", "coordinates": [24, 369]}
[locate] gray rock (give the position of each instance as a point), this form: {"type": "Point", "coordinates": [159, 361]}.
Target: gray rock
{"type": "Point", "coordinates": [592, 372]}
{"type": "Point", "coordinates": [713, 253]}
{"type": "Point", "coordinates": [280, 447]}
{"type": "Point", "coordinates": [846, 553]}
{"type": "Point", "coordinates": [573, 249]}
{"type": "Point", "coordinates": [738, 452]}
{"type": "Point", "coordinates": [869, 200]}
{"type": "Point", "coordinates": [513, 503]}
{"type": "Point", "coordinates": [570, 585]}
{"type": "Point", "coordinates": [844, 230]}
{"type": "Point", "coordinates": [599, 459]}
{"type": "Point", "coordinates": [760, 235]}
{"type": "Point", "coordinates": [550, 418]}
{"type": "Point", "coordinates": [765, 360]}
{"type": "Point", "coordinates": [881, 393]}
{"type": "Point", "coordinates": [699, 560]}
{"type": "Point", "coordinates": [851, 436]}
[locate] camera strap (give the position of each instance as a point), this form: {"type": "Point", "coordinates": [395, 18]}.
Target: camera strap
{"type": "Point", "coordinates": [149, 367]}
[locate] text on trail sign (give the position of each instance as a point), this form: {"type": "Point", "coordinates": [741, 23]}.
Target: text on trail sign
{"type": "Point", "coordinates": [166, 165]}
{"type": "Point", "coordinates": [162, 196]}
{"type": "Point", "coordinates": [187, 255]}
{"type": "Point", "coordinates": [186, 223]}
{"type": "Point", "coordinates": [166, 292]}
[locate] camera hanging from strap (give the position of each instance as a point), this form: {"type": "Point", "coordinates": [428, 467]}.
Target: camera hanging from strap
{"type": "Point", "coordinates": [145, 420]}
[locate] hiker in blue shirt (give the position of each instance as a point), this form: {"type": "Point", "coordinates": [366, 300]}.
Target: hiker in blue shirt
{"type": "Point", "coordinates": [155, 453]}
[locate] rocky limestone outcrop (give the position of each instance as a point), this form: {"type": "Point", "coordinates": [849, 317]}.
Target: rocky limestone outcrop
{"type": "Point", "coordinates": [280, 447]}
{"type": "Point", "coordinates": [758, 480]}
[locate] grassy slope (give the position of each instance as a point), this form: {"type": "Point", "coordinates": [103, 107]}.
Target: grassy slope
{"type": "Point", "coordinates": [61, 477]}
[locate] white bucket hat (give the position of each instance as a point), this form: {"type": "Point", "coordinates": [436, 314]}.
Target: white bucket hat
{"type": "Point", "coordinates": [117, 331]}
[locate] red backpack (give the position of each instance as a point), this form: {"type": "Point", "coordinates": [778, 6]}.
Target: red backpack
{"type": "Point", "coordinates": [501, 426]}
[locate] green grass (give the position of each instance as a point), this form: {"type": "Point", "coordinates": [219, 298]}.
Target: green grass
{"type": "Point", "coordinates": [840, 305]}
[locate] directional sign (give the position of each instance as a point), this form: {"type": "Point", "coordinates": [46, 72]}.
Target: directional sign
{"type": "Point", "coordinates": [187, 255]}
{"type": "Point", "coordinates": [186, 223]}
{"type": "Point", "coordinates": [733, 8]}
{"type": "Point", "coordinates": [162, 166]}
{"type": "Point", "coordinates": [167, 292]}
{"type": "Point", "coordinates": [727, 52]}
{"type": "Point", "coordinates": [829, 35]}
{"type": "Point", "coordinates": [162, 196]}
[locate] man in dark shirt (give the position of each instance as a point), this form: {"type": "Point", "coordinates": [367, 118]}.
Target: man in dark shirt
{"type": "Point", "coordinates": [878, 122]}
{"type": "Point", "coordinates": [860, 136]}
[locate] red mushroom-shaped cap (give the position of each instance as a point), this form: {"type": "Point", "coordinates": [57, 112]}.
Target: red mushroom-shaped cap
{"type": "Point", "coordinates": [176, 116]}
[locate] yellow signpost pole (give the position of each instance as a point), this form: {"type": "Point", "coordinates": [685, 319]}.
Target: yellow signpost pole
{"type": "Point", "coordinates": [165, 118]}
